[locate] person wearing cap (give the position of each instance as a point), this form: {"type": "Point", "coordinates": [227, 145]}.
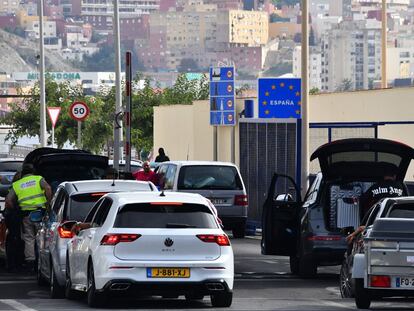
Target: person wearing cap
{"type": "Point", "coordinates": [29, 193]}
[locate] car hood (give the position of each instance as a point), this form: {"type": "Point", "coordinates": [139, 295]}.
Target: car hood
{"type": "Point", "coordinates": [365, 158]}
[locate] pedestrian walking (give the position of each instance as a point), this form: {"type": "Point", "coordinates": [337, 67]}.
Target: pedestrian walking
{"type": "Point", "coordinates": [29, 193]}
{"type": "Point", "coordinates": [161, 157]}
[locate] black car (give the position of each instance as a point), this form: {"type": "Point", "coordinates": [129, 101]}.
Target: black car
{"type": "Point", "coordinates": [59, 165]}
{"type": "Point", "coordinates": [312, 232]}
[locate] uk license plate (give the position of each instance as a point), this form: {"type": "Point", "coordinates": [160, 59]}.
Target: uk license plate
{"type": "Point", "coordinates": [405, 282]}
{"type": "Point", "coordinates": [218, 201]}
{"type": "Point", "coordinates": [168, 273]}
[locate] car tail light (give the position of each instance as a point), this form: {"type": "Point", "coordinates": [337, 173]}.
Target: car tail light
{"type": "Point", "coordinates": [220, 239]}
{"type": "Point", "coordinates": [380, 281]}
{"type": "Point", "coordinates": [241, 200]}
{"type": "Point", "coordinates": [325, 238]}
{"type": "Point", "coordinates": [114, 239]}
{"type": "Point", "coordinates": [65, 233]}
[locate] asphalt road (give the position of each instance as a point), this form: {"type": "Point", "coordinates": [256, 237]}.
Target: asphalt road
{"type": "Point", "coordinates": [262, 283]}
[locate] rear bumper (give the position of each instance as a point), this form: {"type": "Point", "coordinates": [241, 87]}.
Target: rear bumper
{"type": "Point", "coordinates": [128, 287]}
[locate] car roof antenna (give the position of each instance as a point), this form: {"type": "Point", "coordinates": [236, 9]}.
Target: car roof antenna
{"type": "Point", "coordinates": [113, 178]}
{"type": "Point", "coordinates": [162, 194]}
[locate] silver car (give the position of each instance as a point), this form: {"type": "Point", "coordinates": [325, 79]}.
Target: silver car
{"type": "Point", "coordinates": [71, 202]}
{"type": "Point", "coordinates": [220, 182]}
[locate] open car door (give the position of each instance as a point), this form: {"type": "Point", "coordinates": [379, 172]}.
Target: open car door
{"type": "Point", "coordinates": [280, 217]}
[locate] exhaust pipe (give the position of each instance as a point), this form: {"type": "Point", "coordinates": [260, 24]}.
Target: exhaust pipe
{"type": "Point", "coordinates": [120, 286]}
{"type": "Point", "coordinates": [215, 286]}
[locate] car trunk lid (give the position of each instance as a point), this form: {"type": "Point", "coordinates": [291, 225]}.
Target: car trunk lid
{"type": "Point", "coordinates": [363, 158]}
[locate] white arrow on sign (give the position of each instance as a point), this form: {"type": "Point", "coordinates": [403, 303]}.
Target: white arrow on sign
{"type": "Point", "coordinates": [53, 114]}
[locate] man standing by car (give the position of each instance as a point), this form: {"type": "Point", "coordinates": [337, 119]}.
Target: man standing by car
{"type": "Point", "coordinates": [146, 174]}
{"type": "Point", "coordinates": [29, 193]}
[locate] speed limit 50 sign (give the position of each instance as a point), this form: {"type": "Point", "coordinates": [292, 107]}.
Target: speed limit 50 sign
{"type": "Point", "coordinates": [79, 111]}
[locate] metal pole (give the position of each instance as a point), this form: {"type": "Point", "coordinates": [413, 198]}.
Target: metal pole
{"type": "Point", "coordinates": [384, 45]}
{"type": "Point", "coordinates": [79, 135]}
{"type": "Point", "coordinates": [128, 85]}
{"type": "Point", "coordinates": [43, 132]}
{"type": "Point", "coordinates": [53, 136]}
{"type": "Point", "coordinates": [118, 95]}
{"type": "Point", "coordinates": [215, 153]}
{"type": "Point", "coordinates": [305, 98]}
{"type": "Point", "coordinates": [233, 144]}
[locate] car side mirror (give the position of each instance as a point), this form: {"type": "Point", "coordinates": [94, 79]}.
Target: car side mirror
{"type": "Point", "coordinates": [36, 216]}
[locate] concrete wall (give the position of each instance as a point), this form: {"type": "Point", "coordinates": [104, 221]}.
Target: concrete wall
{"type": "Point", "coordinates": [185, 129]}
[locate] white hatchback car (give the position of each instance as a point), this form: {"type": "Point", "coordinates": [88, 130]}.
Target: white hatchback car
{"type": "Point", "coordinates": [154, 244]}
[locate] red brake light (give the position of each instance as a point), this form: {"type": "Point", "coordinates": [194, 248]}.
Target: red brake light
{"type": "Point", "coordinates": [114, 239]}
{"type": "Point", "coordinates": [380, 281]}
{"type": "Point", "coordinates": [64, 233]}
{"type": "Point", "coordinates": [241, 200]}
{"type": "Point", "coordinates": [220, 239]}
{"type": "Point", "coordinates": [325, 238]}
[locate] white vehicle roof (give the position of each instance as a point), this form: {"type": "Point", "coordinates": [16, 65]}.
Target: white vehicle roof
{"type": "Point", "coordinates": [147, 197]}
{"type": "Point", "coordinates": [108, 185]}
{"type": "Point", "coordinates": [185, 163]}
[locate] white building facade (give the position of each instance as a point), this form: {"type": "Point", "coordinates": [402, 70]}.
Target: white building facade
{"type": "Point", "coordinates": [315, 66]}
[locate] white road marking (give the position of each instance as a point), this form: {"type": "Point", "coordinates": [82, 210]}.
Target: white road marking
{"type": "Point", "coordinates": [16, 305]}
{"type": "Point", "coordinates": [335, 290]}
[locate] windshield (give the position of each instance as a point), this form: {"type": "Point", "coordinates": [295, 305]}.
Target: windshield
{"type": "Point", "coordinates": [365, 156]}
{"type": "Point", "coordinates": [403, 210]}
{"type": "Point", "coordinates": [147, 215]}
{"type": "Point", "coordinates": [211, 177]}
{"type": "Point", "coordinates": [10, 166]}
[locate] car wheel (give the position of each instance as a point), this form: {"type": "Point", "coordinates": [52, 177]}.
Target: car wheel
{"type": "Point", "coordinates": [193, 297]}
{"type": "Point", "coordinates": [362, 297]}
{"type": "Point", "coordinates": [294, 264]}
{"type": "Point", "coordinates": [95, 299]}
{"type": "Point", "coordinates": [39, 277]}
{"type": "Point", "coordinates": [70, 293]}
{"type": "Point", "coordinates": [345, 280]}
{"type": "Point", "coordinates": [56, 291]}
{"type": "Point", "coordinates": [307, 267]}
{"type": "Point", "coordinates": [239, 231]}
{"type": "Point", "coordinates": [221, 300]}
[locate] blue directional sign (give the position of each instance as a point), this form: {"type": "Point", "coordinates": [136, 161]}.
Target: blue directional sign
{"type": "Point", "coordinates": [279, 98]}
{"type": "Point", "coordinates": [222, 96]}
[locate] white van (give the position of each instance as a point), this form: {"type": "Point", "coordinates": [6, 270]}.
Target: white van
{"type": "Point", "coordinates": [220, 182]}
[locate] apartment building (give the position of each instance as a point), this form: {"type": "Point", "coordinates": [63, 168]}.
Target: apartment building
{"type": "Point", "coordinates": [315, 65]}
{"type": "Point", "coordinates": [100, 14]}
{"type": "Point", "coordinates": [9, 7]}
{"type": "Point", "coordinates": [351, 52]}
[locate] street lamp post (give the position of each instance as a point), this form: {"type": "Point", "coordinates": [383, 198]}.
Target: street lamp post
{"type": "Point", "coordinates": [305, 98]}
{"type": "Point", "coordinates": [118, 97]}
{"type": "Point", "coordinates": [384, 44]}
{"type": "Point", "coordinates": [43, 132]}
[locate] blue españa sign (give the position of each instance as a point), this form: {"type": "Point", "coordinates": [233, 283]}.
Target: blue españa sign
{"type": "Point", "coordinates": [279, 98]}
{"type": "Point", "coordinates": [222, 96]}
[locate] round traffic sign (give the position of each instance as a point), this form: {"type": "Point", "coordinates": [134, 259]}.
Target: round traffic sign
{"type": "Point", "coordinates": [79, 111]}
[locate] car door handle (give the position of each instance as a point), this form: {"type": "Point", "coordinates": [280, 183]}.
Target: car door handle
{"type": "Point", "coordinates": [90, 236]}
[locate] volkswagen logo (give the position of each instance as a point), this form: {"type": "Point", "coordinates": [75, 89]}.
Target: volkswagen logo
{"type": "Point", "coordinates": [168, 242]}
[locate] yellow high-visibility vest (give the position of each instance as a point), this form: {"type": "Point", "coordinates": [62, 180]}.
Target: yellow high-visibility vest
{"type": "Point", "coordinates": [30, 195]}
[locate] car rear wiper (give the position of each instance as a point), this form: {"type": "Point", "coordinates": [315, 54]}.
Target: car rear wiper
{"type": "Point", "coordinates": [174, 225]}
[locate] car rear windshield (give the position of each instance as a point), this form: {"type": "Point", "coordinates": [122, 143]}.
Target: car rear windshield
{"type": "Point", "coordinates": [211, 177]}
{"type": "Point", "coordinates": [10, 166]}
{"type": "Point", "coordinates": [81, 205]}
{"type": "Point", "coordinates": [147, 215]}
{"type": "Point", "coordinates": [365, 156]}
{"type": "Point", "coordinates": [405, 210]}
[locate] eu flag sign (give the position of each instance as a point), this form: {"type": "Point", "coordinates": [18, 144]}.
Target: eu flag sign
{"type": "Point", "coordinates": [279, 98]}
{"type": "Point", "coordinates": [222, 96]}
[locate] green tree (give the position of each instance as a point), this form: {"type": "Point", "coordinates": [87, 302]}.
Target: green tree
{"type": "Point", "coordinates": [24, 118]}
{"type": "Point", "coordinates": [314, 91]}
{"type": "Point", "coordinates": [346, 85]}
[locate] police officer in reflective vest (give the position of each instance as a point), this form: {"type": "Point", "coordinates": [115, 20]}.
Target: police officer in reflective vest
{"type": "Point", "coordinates": [31, 193]}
